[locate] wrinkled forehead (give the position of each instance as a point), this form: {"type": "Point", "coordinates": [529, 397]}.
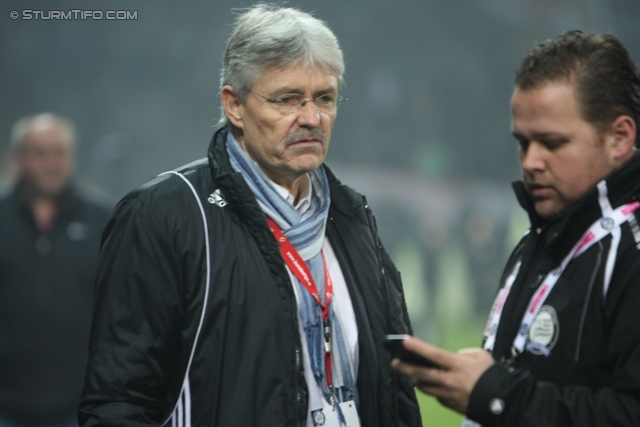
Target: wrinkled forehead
{"type": "Point", "coordinates": [298, 76]}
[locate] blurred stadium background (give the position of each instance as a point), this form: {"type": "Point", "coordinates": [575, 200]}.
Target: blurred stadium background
{"type": "Point", "coordinates": [425, 133]}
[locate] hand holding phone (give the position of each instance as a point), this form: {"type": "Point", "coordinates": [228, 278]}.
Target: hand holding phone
{"type": "Point", "coordinates": [393, 343]}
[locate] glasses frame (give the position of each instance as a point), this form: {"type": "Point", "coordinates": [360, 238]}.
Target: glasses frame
{"type": "Point", "coordinates": [303, 102]}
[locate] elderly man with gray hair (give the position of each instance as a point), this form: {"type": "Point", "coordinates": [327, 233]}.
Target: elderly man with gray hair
{"type": "Point", "coordinates": [250, 288]}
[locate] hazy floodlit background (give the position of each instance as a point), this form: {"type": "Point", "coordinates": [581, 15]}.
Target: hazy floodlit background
{"type": "Point", "coordinates": [425, 133]}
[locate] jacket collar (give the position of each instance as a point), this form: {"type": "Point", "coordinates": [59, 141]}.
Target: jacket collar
{"type": "Point", "coordinates": [562, 232]}
{"type": "Point", "coordinates": [231, 183]}
{"type": "Point", "coordinates": [217, 154]}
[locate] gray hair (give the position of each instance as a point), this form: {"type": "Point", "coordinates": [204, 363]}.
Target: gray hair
{"type": "Point", "coordinates": [26, 124]}
{"type": "Point", "coordinates": [268, 36]}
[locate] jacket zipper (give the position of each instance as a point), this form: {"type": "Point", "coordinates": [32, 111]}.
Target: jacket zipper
{"type": "Point", "coordinates": [387, 297]}
{"type": "Point", "coordinates": [294, 314]}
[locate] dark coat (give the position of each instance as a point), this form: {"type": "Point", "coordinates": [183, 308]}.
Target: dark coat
{"type": "Point", "coordinates": [591, 376]}
{"type": "Point", "coordinates": [46, 298]}
{"type": "Point", "coordinates": [167, 335]}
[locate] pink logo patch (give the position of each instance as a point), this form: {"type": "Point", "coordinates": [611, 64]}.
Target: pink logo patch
{"type": "Point", "coordinates": [539, 297]}
{"type": "Point", "coordinates": [589, 237]}
{"type": "Point", "coordinates": [632, 207]}
{"type": "Point", "coordinates": [503, 294]}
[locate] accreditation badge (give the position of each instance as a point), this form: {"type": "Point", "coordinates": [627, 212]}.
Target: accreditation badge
{"type": "Point", "coordinates": [544, 331]}
{"type": "Point", "coordinates": [328, 415]}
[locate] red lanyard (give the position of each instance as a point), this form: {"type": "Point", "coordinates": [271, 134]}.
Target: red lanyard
{"type": "Point", "coordinates": [299, 268]}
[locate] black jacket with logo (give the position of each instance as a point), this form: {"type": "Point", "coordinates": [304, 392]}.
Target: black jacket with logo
{"type": "Point", "coordinates": [590, 374]}
{"type": "Point", "coordinates": [196, 319]}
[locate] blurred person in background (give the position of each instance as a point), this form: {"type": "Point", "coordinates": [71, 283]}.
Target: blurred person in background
{"type": "Point", "coordinates": [562, 344]}
{"type": "Point", "coordinates": [49, 240]}
{"type": "Point", "coordinates": [250, 288]}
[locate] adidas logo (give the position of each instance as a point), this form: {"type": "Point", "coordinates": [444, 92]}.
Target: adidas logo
{"type": "Point", "coordinates": [216, 198]}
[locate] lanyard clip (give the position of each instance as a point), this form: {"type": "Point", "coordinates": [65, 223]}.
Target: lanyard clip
{"type": "Point", "coordinates": [327, 334]}
{"type": "Point", "coordinates": [510, 363]}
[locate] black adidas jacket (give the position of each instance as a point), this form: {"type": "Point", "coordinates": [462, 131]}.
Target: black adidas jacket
{"type": "Point", "coordinates": [196, 321]}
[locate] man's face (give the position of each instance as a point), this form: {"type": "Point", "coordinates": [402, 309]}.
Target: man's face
{"type": "Point", "coordinates": [45, 160]}
{"type": "Point", "coordinates": [286, 146]}
{"type": "Point", "coordinates": [562, 156]}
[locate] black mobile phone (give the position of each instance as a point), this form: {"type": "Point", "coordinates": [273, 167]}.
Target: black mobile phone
{"type": "Point", "coordinates": [393, 343]}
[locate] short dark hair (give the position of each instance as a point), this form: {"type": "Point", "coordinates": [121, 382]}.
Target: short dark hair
{"type": "Point", "coordinates": [607, 81]}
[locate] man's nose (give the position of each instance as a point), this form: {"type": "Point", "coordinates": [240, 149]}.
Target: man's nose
{"type": "Point", "coordinates": [532, 159]}
{"type": "Point", "coordinates": [309, 115]}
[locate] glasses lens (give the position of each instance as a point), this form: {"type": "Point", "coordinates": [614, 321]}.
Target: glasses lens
{"type": "Point", "coordinates": [291, 103]}
{"type": "Point", "coordinates": [326, 103]}
{"type": "Point", "coordinates": [288, 103]}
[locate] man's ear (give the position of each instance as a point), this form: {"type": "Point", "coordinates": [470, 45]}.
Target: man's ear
{"type": "Point", "coordinates": [232, 106]}
{"type": "Point", "coordinates": [623, 134]}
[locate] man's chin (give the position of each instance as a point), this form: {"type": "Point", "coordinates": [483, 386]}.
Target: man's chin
{"type": "Point", "coordinates": [547, 209]}
{"type": "Point", "coordinates": [307, 163]}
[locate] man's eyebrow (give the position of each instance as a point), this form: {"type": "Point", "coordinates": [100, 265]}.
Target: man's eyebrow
{"type": "Point", "coordinates": [287, 89]}
{"type": "Point", "coordinates": [538, 135]}
{"type": "Point", "coordinates": [329, 89]}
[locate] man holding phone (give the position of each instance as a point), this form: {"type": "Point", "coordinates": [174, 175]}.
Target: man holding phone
{"type": "Point", "coordinates": [562, 344]}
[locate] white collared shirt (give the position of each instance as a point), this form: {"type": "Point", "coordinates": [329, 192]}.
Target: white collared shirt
{"type": "Point", "coordinates": [305, 200]}
{"type": "Point", "coordinates": [341, 300]}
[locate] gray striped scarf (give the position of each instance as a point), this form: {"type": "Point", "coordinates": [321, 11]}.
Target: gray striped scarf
{"type": "Point", "coordinates": [306, 233]}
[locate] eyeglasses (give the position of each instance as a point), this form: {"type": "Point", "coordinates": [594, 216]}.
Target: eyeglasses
{"type": "Point", "coordinates": [289, 103]}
